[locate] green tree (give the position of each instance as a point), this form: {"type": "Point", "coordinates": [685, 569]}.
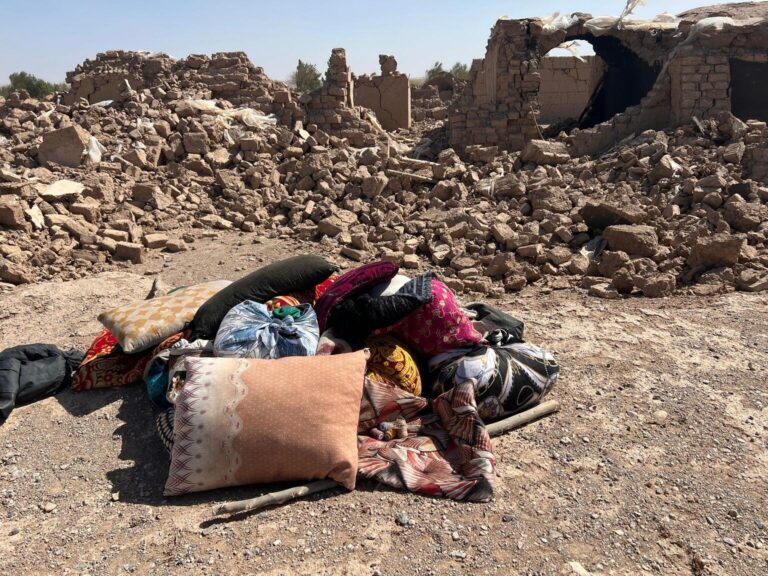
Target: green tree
{"type": "Point", "coordinates": [436, 69]}
{"type": "Point", "coordinates": [306, 77]}
{"type": "Point", "coordinates": [36, 87]}
{"type": "Point", "coordinates": [460, 71]}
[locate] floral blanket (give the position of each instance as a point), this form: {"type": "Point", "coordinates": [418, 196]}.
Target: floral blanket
{"type": "Point", "coordinates": [447, 452]}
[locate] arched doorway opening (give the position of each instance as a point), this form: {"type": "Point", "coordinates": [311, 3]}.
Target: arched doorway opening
{"type": "Point", "coordinates": [605, 84]}
{"type": "Point", "coordinates": [749, 90]}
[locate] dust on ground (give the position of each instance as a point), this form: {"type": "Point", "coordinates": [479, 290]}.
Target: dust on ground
{"type": "Point", "coordinates": [656, 463]}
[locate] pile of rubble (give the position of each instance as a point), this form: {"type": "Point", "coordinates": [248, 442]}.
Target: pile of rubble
{"type": "Point", "coordinates": [432, 100]}
{"type": "Point", "coordinates": [224, 75]}
{"type": "Point", "coordinates": [84, 185]}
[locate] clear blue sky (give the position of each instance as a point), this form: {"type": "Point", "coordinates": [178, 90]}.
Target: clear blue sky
{"type": "Point", "coordinates": [49, 37]}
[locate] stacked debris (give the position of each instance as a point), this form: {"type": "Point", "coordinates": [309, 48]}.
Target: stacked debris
{"type": "Point", "coordinates": [432, 99]}
{"type": "Point", "coordinates": [332, 108]}
{"type": "Point", "coordinates": [85, 185]}
{"type": "Point", "coordinates": [224, 75]}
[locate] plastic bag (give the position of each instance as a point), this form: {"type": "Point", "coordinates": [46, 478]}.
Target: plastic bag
{"type": "Point", "coordinates": [250, 331]}
{"type": "Point", "coordinates": [250, 117]}
{"type": "Point", "coordinates": [713, 23]}
{"type": "Point", "coordinates": [94, 150]}
{"type": "Point", "coordinates": [601, 24]}
{"type": "Point", "coordinates": [558, 22]}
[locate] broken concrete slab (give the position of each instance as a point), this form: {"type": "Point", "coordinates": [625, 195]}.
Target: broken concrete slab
{"type": "Point", "coordinates": [61, 190]}
{"type": "Point", "coordinates": [64, 146]}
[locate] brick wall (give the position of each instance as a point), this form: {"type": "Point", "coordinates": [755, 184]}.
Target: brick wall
{"type": "Point", "coordinates": [567, 83]}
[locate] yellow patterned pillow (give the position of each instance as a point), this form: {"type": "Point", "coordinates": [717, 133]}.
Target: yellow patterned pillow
{"type": "Point", "coordinates": [146, 323]}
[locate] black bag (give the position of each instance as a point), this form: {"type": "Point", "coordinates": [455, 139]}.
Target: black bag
{"type": "Point", "coordinates": [33, 372]}
{"type": "Point", "coordinates": [502, 328]}
{"type": "Point", "coordinates": [279, 279]}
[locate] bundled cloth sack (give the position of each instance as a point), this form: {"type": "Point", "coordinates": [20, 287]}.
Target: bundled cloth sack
{"type": "Point", "coordinates": [33, 372]}
{"type": "Point", "coordinates": [352, 283]}
{"type": "Point", "coordinates": [105, 365]}
{"type": "Point", "coordinates": [248, 421]}
{"type": "Point", "coordinates": [446, 453]}
{"type": "Point", "coordinates": [165, 373]}
{"type": "Point", "coordinates": [289, 276]}
{"type": "Point", "coordinates": [249, 330]}
{"type": "Point", "coordinates": [507, 379]}
{"type": "Point", "coordinates": [497, 326]}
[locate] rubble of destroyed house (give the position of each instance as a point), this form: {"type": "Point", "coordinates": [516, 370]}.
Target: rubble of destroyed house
{"type": "Point", "coordinates": [658, 184]}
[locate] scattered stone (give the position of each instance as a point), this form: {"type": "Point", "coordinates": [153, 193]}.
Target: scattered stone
{"type": "Point", "coordinates": [14, 273]}
{"type": "Point", "coordinates": [402, 519]}
{"type": "Point", "coordinates": [353, 253]}
{"type": "Point", "coordinates": [545, 152]}
{"type": "Point", "coordinates": [660, 417]}
{"type": "Point", "coordinates": [61, 190]}
{"type": "Point", "coordinates": [155, 240]}
{"type": "Point", "coordinates": [752, 281]}
{"type": "Point", "coordinates": [716, 250]}
{"type": "Point", "coordinates": [129, 251]}
{"type": "Point", "coordinates": [12, 212]}
{"type": "Point", "coordinates": [176, 245]}
{"type": "Point", "coordinates": [65, 146]}
{"type": "Point", "coordinates": [640, 240]}
{"type": "Point", "coordinates": [601, 215]}
{"type": "Point", "coordinates": [656, 285]}
{"type": "Point", "coordinates": [604, 290]}
{"type": "Point", "coordinates": [411, 261]}
{"type": "Point", "coordinates": [152, 195]}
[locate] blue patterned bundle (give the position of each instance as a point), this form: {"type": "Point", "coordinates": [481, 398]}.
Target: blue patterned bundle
{"type": "Point", "coordinates": [250, 331]}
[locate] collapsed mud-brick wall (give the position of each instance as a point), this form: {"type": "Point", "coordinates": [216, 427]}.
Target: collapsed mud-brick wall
{"type": "Point", "coordinates": [656, 74]}
{"type": "Point", "coordinates": [387, 95]}
{"type": "Point", "coordinates": [226, 75]}
{"type": "Point", "coordinates": [721, 68]}
{"type": "Point", "coordinates": [432, 99]}
{"type": "Point", "coordinates": [332, 106]}
{"type": "Point", "coordinates": [501, 103]}
{"type": "Point", "coordinates": [567, 82]}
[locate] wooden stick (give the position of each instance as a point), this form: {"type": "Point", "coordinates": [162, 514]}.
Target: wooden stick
{"type": "Point", "coordinates": [276, 498]}
{"type": "Point", "coordinates": [414, 177]}
{"type": "Point", "coordinates": [283, 496]}
{"type": "Point", "coordinates": [518, 420]}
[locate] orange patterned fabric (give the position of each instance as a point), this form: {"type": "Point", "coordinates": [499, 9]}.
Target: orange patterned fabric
{"type": "Point", "coordinates": [323, 286]}
{"type": "Point", "coordinates": [280, 301]}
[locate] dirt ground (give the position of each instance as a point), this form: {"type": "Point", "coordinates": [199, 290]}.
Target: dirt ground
{"type": "Point", "coordinates": [656, 464]}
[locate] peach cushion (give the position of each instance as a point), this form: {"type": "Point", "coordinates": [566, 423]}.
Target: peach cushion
{"type": "Point", "coordinates": [250, 421]}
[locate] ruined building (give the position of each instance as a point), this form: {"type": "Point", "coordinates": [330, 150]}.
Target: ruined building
{"type": "Point", "coordinates": [332, 106]}
{"type": "Point", "coordinates": [228, 75]}
{"type": "Point", "coordinates": [652, 74]}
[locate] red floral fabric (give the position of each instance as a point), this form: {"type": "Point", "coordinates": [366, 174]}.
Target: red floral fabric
{"type": "Point", "coordinates": [450, 455]}
{"type": "Point", "coordinates": [436, 327]}
{"type": "Point", "coordinates": [106, 366]}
